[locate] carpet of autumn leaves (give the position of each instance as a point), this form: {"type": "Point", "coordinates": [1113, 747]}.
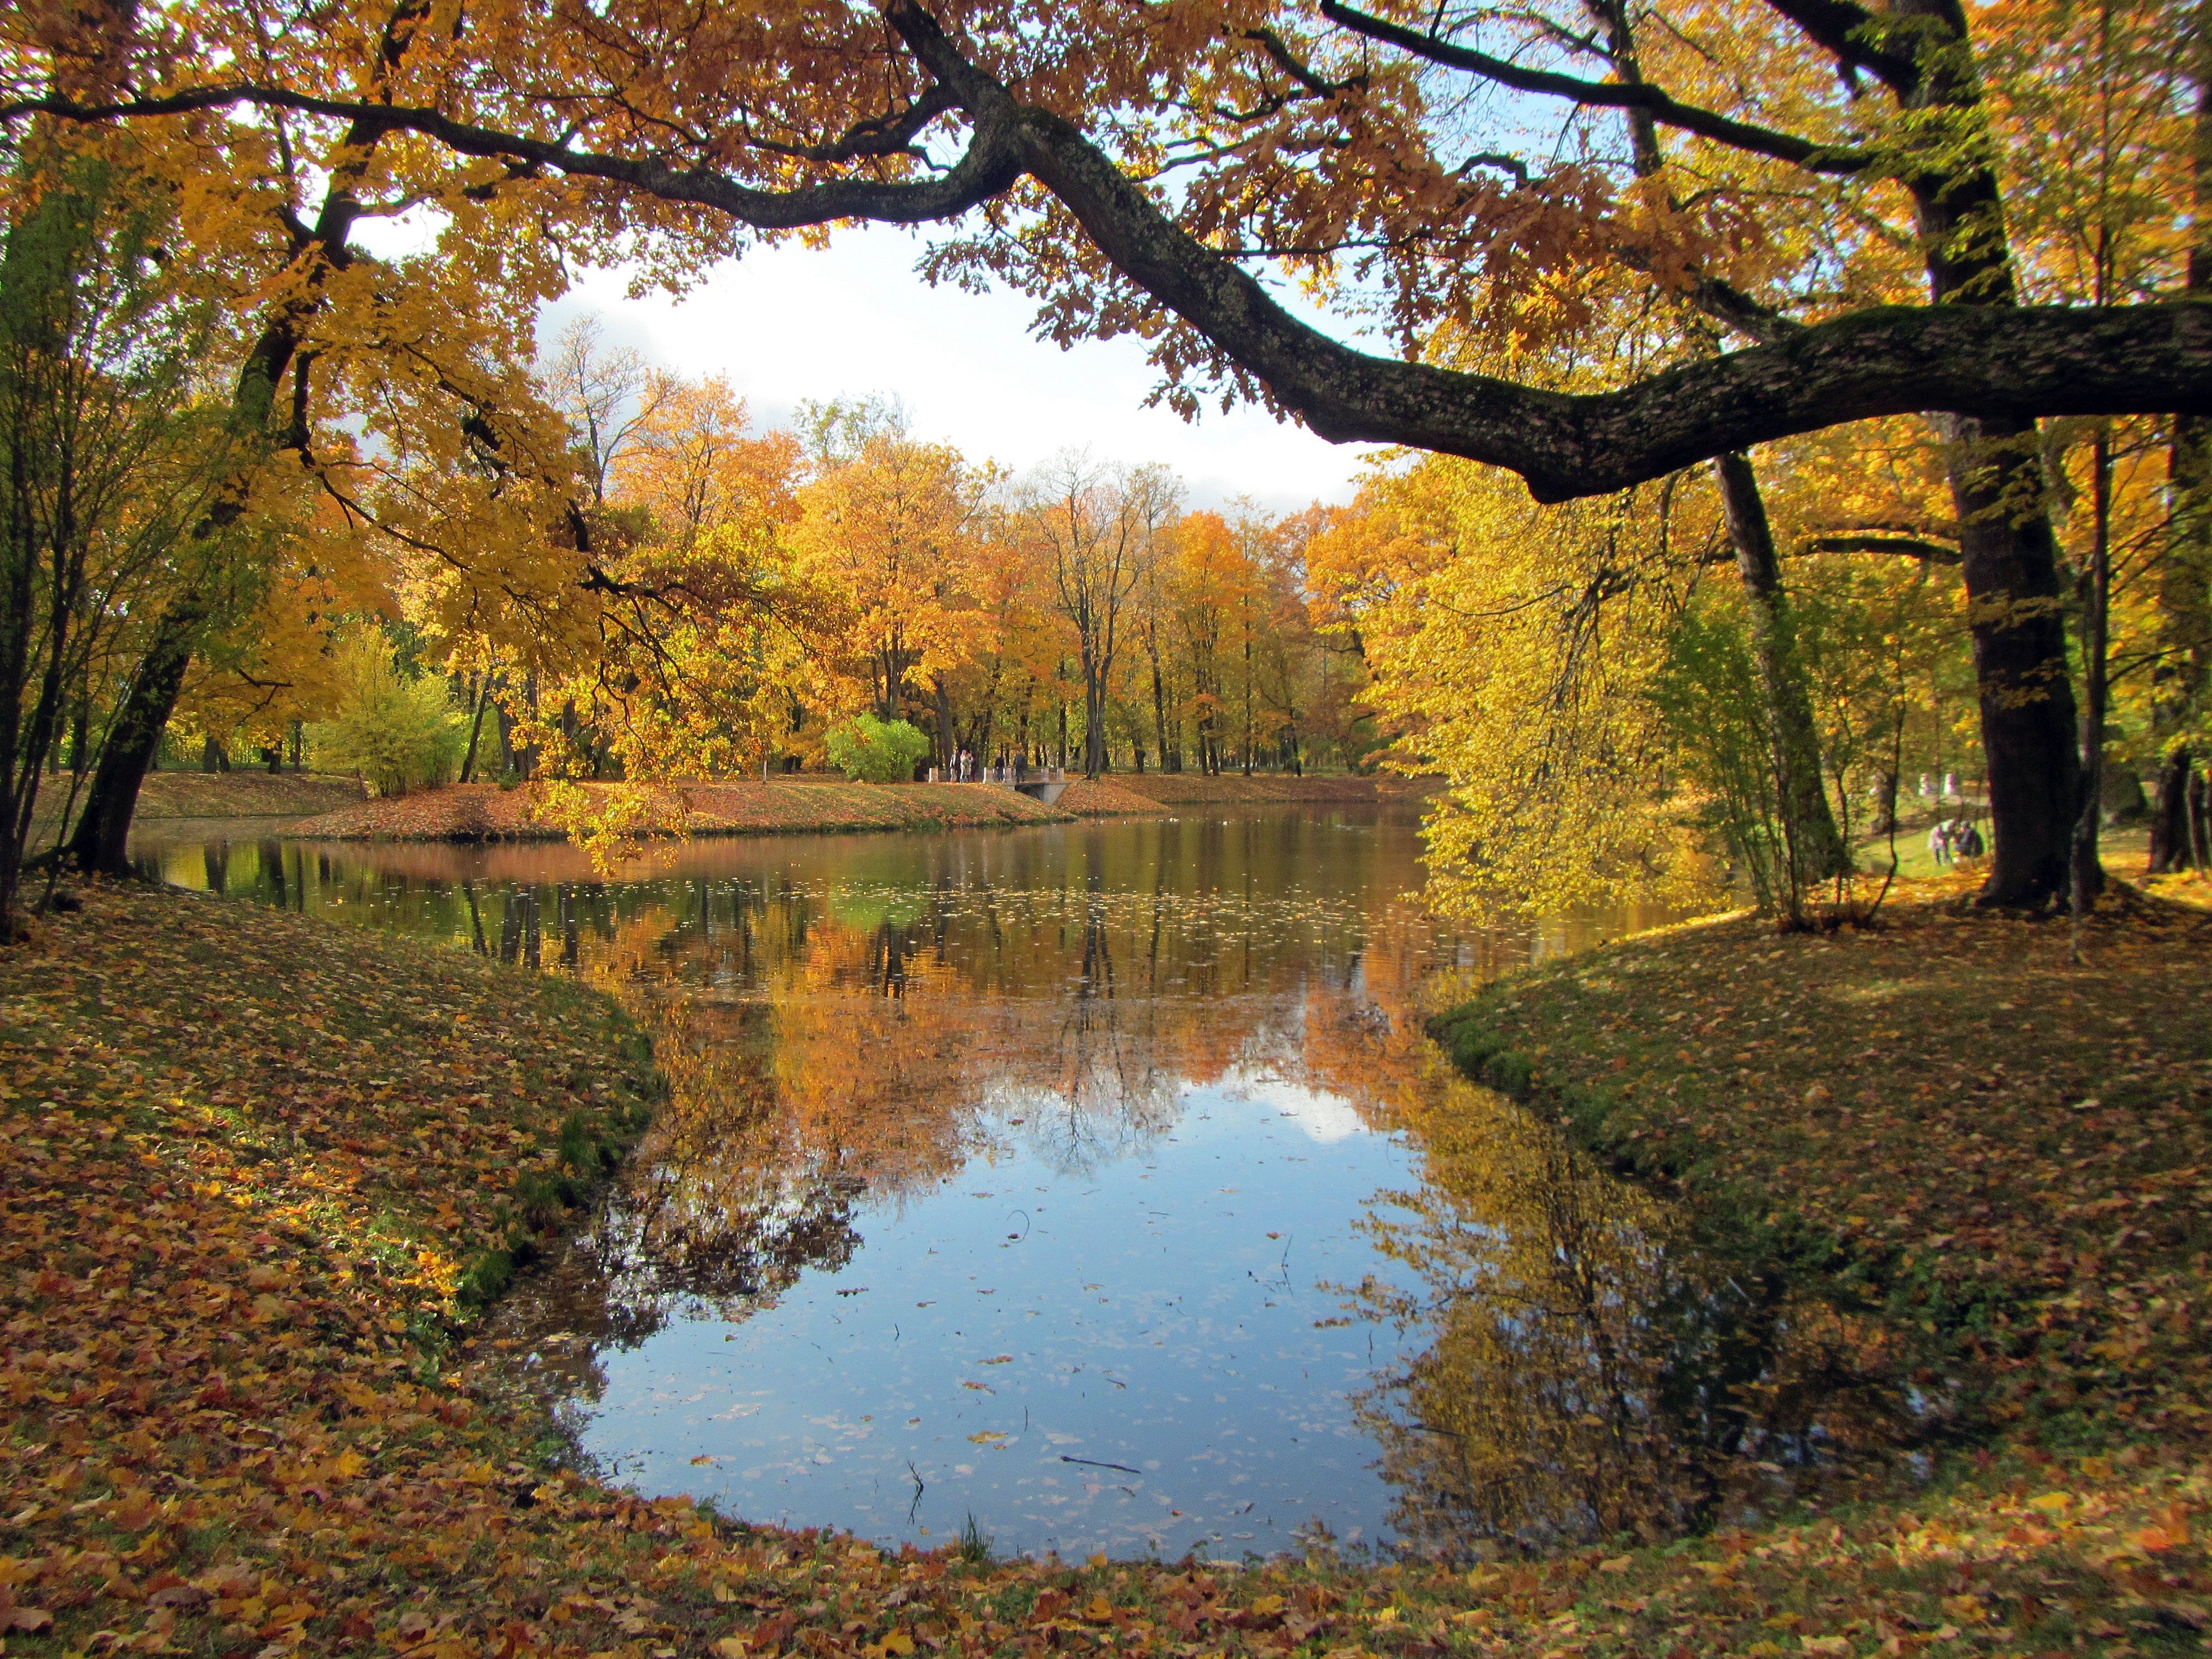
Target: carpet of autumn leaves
{"type": "Point", "coordinates": [485, 811]}
{"type": "Point", "coordinates": [254, 1162]}
{"type": "Point", "coordinates": [1947, 1119]}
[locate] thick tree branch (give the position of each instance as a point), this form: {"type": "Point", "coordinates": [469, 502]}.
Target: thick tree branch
{"type": "Point", "coordinates": [1610, 94]}
{"type": "Point", "coordinates": [1284, 59]}
{"type": "Point", "coordinates": [1884, 361]}
{"type": "Point", "coordinates": [1995, 362]}
{"type": "Point", "coordinates": [1910, 546]}
{"type": "Point", "coordinates": [1852, 35]}
{"type": "Point", "coordinates": [987, 170]}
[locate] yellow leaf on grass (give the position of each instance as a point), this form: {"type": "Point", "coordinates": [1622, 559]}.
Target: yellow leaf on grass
{"type": "Point", "coordinates": [899, 1642]}
{"type": "Point", "coordinates": [2051, 1502]}
{"type": "Point", "coordinates": [1100, 1611]}
{"type": "Point", "coordinates": [349, 1464]}
{"type": "Point", "coordinates": [1833, 1644]}
{"type": "Point", "coordinates": [731, 1647]}
{"type": "Point", "coordinates": [1618, 1564]}
{"type": "Point", "coordinates": [1268, 1605]}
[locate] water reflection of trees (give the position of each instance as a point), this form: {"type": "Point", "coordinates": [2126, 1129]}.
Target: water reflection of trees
{"type": "Point", "coordinates": [845, 1024]}
{"type": "Point", "coordinates": [1588, 1370]}
{"type": "Point", "coordinates": [828, 1050]}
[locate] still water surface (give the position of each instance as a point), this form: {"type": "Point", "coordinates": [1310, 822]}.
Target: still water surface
{"type": "Point", "coordinates": [1092, 1182]}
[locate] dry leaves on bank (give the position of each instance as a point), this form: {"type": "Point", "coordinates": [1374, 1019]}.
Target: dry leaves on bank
{"type": "Point", "coordinates": [250, 1157]}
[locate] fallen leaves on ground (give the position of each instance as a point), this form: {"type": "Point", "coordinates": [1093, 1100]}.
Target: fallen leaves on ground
{"type": "Point", "coordinates": [252, 1157]}
{"type": "Point", "coordinates": [2007, 1150]}
{"type": "Point", "coordinates": [484, 812]}
{"type": "Point", "coordinates": [245, 792]}
{"type": "Point", "coordinates": [1106, 798]}
{"type": "Point", "coordinates": [1237, 789]}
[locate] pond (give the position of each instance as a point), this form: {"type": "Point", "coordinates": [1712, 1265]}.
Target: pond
{"type": "Point", "coordinates": [1089, 1188]}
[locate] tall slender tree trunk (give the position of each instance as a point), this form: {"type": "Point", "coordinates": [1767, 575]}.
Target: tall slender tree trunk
{"type": "Point", "coordinates": [2008, 555]}
{"type": "Point", "coordinates": [2182, 675]}
{"type": "Point", "coordinates": [103, 839]}
{"type": "Point", "coordinates": [945, 744]}
{"type": "Point", "coordinates": [476, 725]}
{"type": "Point", "coordinates": [1171, 754]}
{"type": "Point", "coordinates": [1817, 846]}
{"type": "Point", "coordinates": [135, 738]}
{"type": "Point", "coordinates": [2085, 874]}
{"type": "Point", "coordinates": [1247, 757]}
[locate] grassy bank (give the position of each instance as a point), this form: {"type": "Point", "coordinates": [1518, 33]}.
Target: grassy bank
{"type": "Point", "coordinates": [483, 811]}
{"type": "Point", "coordinates": [2009, 1154]}
{"type": "Point", "coordinates": [477, 812]}
{"type": "Point", "coordinates": [256, 1166]}
{"type": "Point", "coordinates": [240, 795]}
{"type": "Point", "coordinates": [1133, 794]}
{"type": "Point", "coordinates": [1234, 789]}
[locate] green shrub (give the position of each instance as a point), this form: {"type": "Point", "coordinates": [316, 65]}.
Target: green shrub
{"type": "Point", "coordinates": [870, 751]}
{"type": "Point", "coordinates": [398, 734]}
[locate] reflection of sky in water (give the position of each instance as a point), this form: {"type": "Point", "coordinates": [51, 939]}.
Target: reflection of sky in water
{"type": "Point", "coordinates": [1010, 1165]}
{"type": "Point", "coordinates": [1005, 1339]}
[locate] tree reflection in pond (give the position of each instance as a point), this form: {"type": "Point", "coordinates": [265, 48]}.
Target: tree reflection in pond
{"type": "Point", "coordinates": [1589, 1372]}
{"type": "Point", "coordinates": [1021, 1165]}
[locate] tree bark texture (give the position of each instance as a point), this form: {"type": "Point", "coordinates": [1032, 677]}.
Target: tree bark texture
{"type": "Point", "coordinates": [1818, 847]}
{"type": "Point", "coordinates": [2010, 559]}
{"type": "Point", "coordinates": [2086, 875]}
{"type": "Point", "coordinates": [2182, 677]}
{"type": "Point", "coordinates": [101, 841]}
{"type": "Point", "coordinates": [2008, 553]}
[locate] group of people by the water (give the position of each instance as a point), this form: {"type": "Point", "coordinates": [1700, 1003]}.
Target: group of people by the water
{"type": "Point", "coordinates": [1953, 839]}
{"type": "Point", "coordinates": [967, 767]}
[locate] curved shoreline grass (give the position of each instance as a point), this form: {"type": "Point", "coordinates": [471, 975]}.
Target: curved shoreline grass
{"type": "Point", "coordinates": [258, 1166]}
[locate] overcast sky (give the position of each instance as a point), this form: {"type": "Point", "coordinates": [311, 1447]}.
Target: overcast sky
{"type": "Point", "coordinates": [789, 323]}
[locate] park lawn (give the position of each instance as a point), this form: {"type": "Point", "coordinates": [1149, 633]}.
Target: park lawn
{"type": "Point", "coordinates": [1185, 789]}
{"type": "Point", "coordinates": [2007, 1150]}
{"type": "Point", "coordinates": [484, 812]}
{"type": "Point", "coordinates": [235, 794]}
{"type": "Point", "coordinates": [261, 1169]}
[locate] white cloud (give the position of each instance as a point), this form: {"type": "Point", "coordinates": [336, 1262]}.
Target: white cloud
{"type": "Point", "coordinates": [791, 323]}
{"type": "Point", "coordinates": [1322, 1118]}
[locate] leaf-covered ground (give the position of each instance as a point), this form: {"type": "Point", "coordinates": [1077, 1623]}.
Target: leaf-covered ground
{"type": "Point", "coordinates": [1107, 798]}
{"type": "Point", "coordinates": [484, 812]}
{"type": "Point", "coordinates": [1234, 789]}
{"type": "Point", "coordinates": [1953, 1120]}
{"type": "Point", "coordinates": [1153, 794]}
{"type": "Point", "coordinates": [256, 1166]}
{"type": "Point", "coordinates": [237, 794]}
